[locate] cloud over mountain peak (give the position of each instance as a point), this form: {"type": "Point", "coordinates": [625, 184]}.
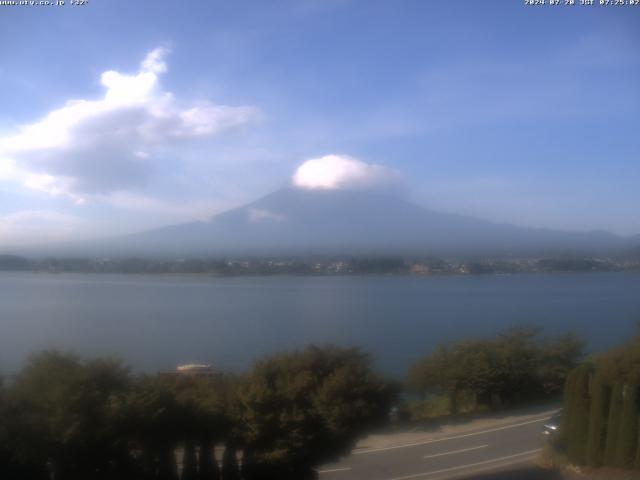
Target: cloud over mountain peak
{"type": "Point", "coordinates": [342, 172]}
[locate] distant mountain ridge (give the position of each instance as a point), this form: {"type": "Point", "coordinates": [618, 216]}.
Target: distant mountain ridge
{"type": "Point", "coordinates": [299, 222]}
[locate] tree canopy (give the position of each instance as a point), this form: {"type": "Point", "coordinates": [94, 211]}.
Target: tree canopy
{"type": "Point", "coordinates": [514, 366]}
{"type": "Point", "coordinates": [304, 408]}
{"type": "Point", "coordinates": [72, 418]}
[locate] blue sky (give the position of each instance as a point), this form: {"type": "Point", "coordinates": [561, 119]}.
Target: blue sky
{"type": "Point", "coordinates": [119, 116]}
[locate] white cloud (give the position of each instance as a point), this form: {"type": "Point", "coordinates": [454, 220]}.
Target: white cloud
{"type": "Point", "coordinates": [154, 61]}
{"type": "Point", "coordinates": [171, 211]}
{"type": "Point", "coordinates": [98, 147]}
{"type": "Point", "coordinates": [31, 226]}
{"type": "Point", "coordinates": [8, 170]}
{"type": "Point", "coordinates": [341, 172]}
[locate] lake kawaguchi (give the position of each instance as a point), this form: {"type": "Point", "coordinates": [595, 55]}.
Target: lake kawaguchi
{"type": "Point", "coordinates": [155, 322]}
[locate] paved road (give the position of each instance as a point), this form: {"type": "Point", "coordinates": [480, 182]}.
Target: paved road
{"type": "Point", "coordinates": [455, 456]}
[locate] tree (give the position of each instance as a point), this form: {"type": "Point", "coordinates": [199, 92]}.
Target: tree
{"type": "Point", "coordinates": [467, 366]}
{"type": "Point", "coordinates": [558, 356]}
{"type": "Point", "coordinates": [579, 420]}
{"type": "Point", "coordinates": [439, 372]}
{"type": "Point", "coordinates": [154, 423]}
{"type": "Point", "coordinates": [305, 408]}
{"type": "Point", "coordinates": [230, 468]}
{"type": "Point", "coordinates": [619, 363]}
{"type": "Point", "coordinates": [567, 408]}
{"type": "Point", "coordinates": [600, 398]}
{"type": "Point", "coordinates": [63, 415]}
{"type": "Point", "coordinates": [628, 433]}
{"type": "Point", "coordinates": [613, 424]}
{"type": "Point", "coordinates": [189, 462]}
{"type": "Point", "coordinates": [204, 401]}
{"type": "Point", "coordinates": [516, 366]}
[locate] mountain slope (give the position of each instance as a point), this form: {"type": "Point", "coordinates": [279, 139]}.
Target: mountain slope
{"type": "Point", "coordinates": [346, 222]}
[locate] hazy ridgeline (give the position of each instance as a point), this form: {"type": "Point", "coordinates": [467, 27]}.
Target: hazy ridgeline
{"type": "Point", "coordinates": [340, 223]}
{"type": "Point", "coordinates": [86, 419]}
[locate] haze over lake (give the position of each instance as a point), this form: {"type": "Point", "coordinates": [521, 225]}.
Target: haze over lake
{"type": "Point", "coordinates": [155, 322]}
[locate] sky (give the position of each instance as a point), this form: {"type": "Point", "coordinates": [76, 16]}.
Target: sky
{"type": "Point", "coordinates": [119, 116]}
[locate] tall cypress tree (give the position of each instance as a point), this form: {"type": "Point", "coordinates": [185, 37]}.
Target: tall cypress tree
{"type": "Point", "coordinates": [230, 468]}
{"type": "Point", "coordinates": [189, 462]}
{"type": "Point", "coordinates": [207, 462]}
{"type": "Point", "coordinates": [628, 432]}
{"type": "Point", "coordinates": [567, 406]}
{"type": "Point", "coordinates": [600, 398]}
{"type": "Point", "coordinates": [613, 424]}
{"type": "Point", "coordinates": [167, 468]}
{"type": "Point", "coordinates": [579, 421]}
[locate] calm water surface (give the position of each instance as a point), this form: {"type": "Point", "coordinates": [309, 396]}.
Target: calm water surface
{"type": "Point", "coordinates": [156, 321]}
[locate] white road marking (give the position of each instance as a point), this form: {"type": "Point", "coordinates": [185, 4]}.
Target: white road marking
{"type": "Point", "coordinates": [456, 451]}
{"type": "Point", "coordinates": [331, 470]}
{"type": "Point", "coordinates": [469, 465]}
{"type": "Point", "coordinates": [494, 467]}
{"type": "Point", "coordinates": [426, 442]}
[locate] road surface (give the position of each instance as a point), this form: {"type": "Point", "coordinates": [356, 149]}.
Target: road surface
{"type": "Point", "coordinates": [460, 455]}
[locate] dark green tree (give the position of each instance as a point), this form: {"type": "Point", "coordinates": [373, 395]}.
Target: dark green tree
{"type": "Point", "coordinates": [579, 420]}
{"type": "Point", "coordinates": [189, 462]}
{"type": "Point", "coordinates": [627, 442]}
{"type": "Point", "coordinates": [230, 467]}
{"type": "Point", "coordinates": [600, 398]}
{"type": "Point", "coordinates": [206, 403]}
{"type": "Point", "coordinates": [207, 464]}
{"type": "Point", "coordinates": [621, 362]}
{"type": "Point", "coordinates": [438, 373]}
{"type": "Point", "coordinates": [64, 416]}
{"type": "Point", "coordinates": [517, 366]}
{"type": "Point", "coordinates": [154, 422]}
{"type": "Point", "coordinates": [305, 408]}
{"type": "Point", "coordinates": [613, 424]}
{"type": "Point", "coordinates": [558, 356]}
{"type": "Point", "coordinates": [567, 407]}
{"type": "Point", "coordinates": [463, 367]}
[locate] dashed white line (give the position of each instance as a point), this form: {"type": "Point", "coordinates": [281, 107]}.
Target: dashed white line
{"type": "Point", "coordinates": [469, 465]}
{"type": "Point", "coordinates": [491, 468]}
{"type": "Point", "coordinates": [332, 470]}
{"type": "Point", "coordinates": [456, 451]}
{"type": "Point", "coordinates": [426, 442]}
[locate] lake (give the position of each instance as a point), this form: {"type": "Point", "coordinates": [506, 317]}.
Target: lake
{"type": "Point", "coordinates": [155, 322]}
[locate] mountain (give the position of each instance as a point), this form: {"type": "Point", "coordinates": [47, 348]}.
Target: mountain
{"type": "Point", "coordinates": [296, 221]}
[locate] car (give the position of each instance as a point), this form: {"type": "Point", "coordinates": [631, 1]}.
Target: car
{"type": "Point", "coordinates": [552, 426]}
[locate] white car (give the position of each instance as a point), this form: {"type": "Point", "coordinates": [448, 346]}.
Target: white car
{"type": "Point", "coordinates": [552, 426]}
